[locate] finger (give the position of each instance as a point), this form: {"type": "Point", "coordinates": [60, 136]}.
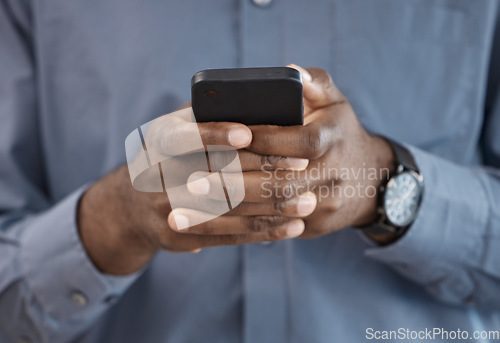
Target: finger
{"type": "Point", "coordinates": [300, 206]}
{"type": "Point", "coordinates": [223, 133]}
{"type": "Point", "coordinates": [175, 134]}
{"type": "Point", "coordinates": [251, 161]}
{"type": "Point", "coordinates": [265, 187]}
{"type": "Point", "coordinates": [318, 88]}
{"type": "Point", "coordinates": [260, 227]}
{"type": "Point", "coordinates": [297, 207]}
{"type": "Point", "coordinates": [193, 242]}
{"type": "Point", "coordinates": [310, 141]}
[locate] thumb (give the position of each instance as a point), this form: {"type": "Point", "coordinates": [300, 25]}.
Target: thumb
{"type": "Point", "coordinates": [319, 88]}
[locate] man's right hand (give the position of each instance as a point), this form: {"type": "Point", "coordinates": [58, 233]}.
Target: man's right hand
{"type": "Point", "coordinates": [122, 228]}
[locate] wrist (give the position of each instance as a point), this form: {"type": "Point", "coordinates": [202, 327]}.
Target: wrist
{"type": "Point", "coordinates": [114, 243]}
{"type": "Point", "coordinates": [379, 158]}
{"type": "Point", "coordinates": [384, 164]}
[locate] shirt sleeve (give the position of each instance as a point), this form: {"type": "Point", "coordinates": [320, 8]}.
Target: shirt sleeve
{"type": "Point", "coordinates": [49, 289]}
{"type": "Point", "coordinates": [452, 248]}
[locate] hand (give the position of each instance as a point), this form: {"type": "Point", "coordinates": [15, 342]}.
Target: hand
{"type": "Point", "coordinates": [346, 163]}
{"type": "Point", "coordinates": [350, 162]}
{"type": "Point", "coordinates": [122, 228]}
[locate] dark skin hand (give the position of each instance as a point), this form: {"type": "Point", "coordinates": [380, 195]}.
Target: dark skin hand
{"type": "Point", "coordinates": [122, 229]}
{"type": "Point", "coordinates": [333, 140]}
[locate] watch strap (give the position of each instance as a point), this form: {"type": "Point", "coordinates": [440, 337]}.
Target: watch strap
{"type": "Point", "coordinates": [402, 156]}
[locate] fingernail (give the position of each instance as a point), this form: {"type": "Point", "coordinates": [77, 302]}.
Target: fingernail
{"type": "Point", "coordinates": [198, 185]}
{"type": "Point", "coordinates": [181, 222]}
{"type": "Point", "coordinates": [295, 228]}
{"type": "Point", "coordinates": [297, 164]}
{"type": "Point", "coordinates": [239, 138]}
{"type": "Point", "coordinates": [306, 204]}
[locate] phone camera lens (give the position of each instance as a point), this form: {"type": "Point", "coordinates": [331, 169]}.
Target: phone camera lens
{"type": "Point", "coordinates": [212, 93]}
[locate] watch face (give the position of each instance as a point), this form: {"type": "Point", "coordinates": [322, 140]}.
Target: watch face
{"type": "Point", "coordinates": [402, 198]}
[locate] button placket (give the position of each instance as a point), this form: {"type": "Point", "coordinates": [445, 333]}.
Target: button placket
{"type": "Point", "coordinates": [261, 34]}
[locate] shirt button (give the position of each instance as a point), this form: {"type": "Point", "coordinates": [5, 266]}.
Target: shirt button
{"type": "Point", "coordinates": [266, 243]}
{"type": "Point", "coordinates": [262, 3]}
{"type": "Point", "coordinates": [79, 299]}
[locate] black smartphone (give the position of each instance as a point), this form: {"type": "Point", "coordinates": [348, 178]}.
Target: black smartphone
{"type": "Point", "coordinates": [251, 96]}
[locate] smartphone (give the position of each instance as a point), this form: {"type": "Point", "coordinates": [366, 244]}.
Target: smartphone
{"type": "Point", "coordinates": [251, 96]}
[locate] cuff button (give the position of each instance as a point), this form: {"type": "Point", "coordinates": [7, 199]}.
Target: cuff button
{"type": "Point", "coordinates": [79, 299]}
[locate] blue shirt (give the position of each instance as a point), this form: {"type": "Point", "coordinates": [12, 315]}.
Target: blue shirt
{"type": "Point", "coordinates": [77, 76]}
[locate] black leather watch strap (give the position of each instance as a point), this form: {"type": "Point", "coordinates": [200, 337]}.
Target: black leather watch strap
{"type": "Point", "coordinates": [402, 156]}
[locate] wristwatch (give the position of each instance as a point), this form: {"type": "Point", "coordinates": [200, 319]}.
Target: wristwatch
{"type": "Point", "coordinates": [399, 196]}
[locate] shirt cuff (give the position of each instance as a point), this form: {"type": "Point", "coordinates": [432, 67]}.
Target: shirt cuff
{"type": "Point", "coordinates": [58, 270]}
{"type": "Point", "coordinates": [447, 233]}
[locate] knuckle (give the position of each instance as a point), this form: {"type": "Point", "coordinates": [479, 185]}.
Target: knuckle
{"type": "Point", "coordinates": [209, 138]}
{"type": "Point", "coordinates": [336, 203]}
{"type": "Point", "coordinates": [291, 189]}
{"type": "Point", "coordinates": [265, 162]}
{"type": "Point", "coordinates": [262, 223]}
{"type": "Point", "coordinates": [209, 133]}
{"type": "Point", "coordinates": [315, 142]}
{"type": "Point", "coordinates": [279, 207]}
{"type": "Point", "coordinates": [270, 161]}
{"type": "Point", "coordinates": [277, 196]}
{"type": "Point", "coordinates": [258, 224]}
{"type": "Point", "coordinates": [288, 190]}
